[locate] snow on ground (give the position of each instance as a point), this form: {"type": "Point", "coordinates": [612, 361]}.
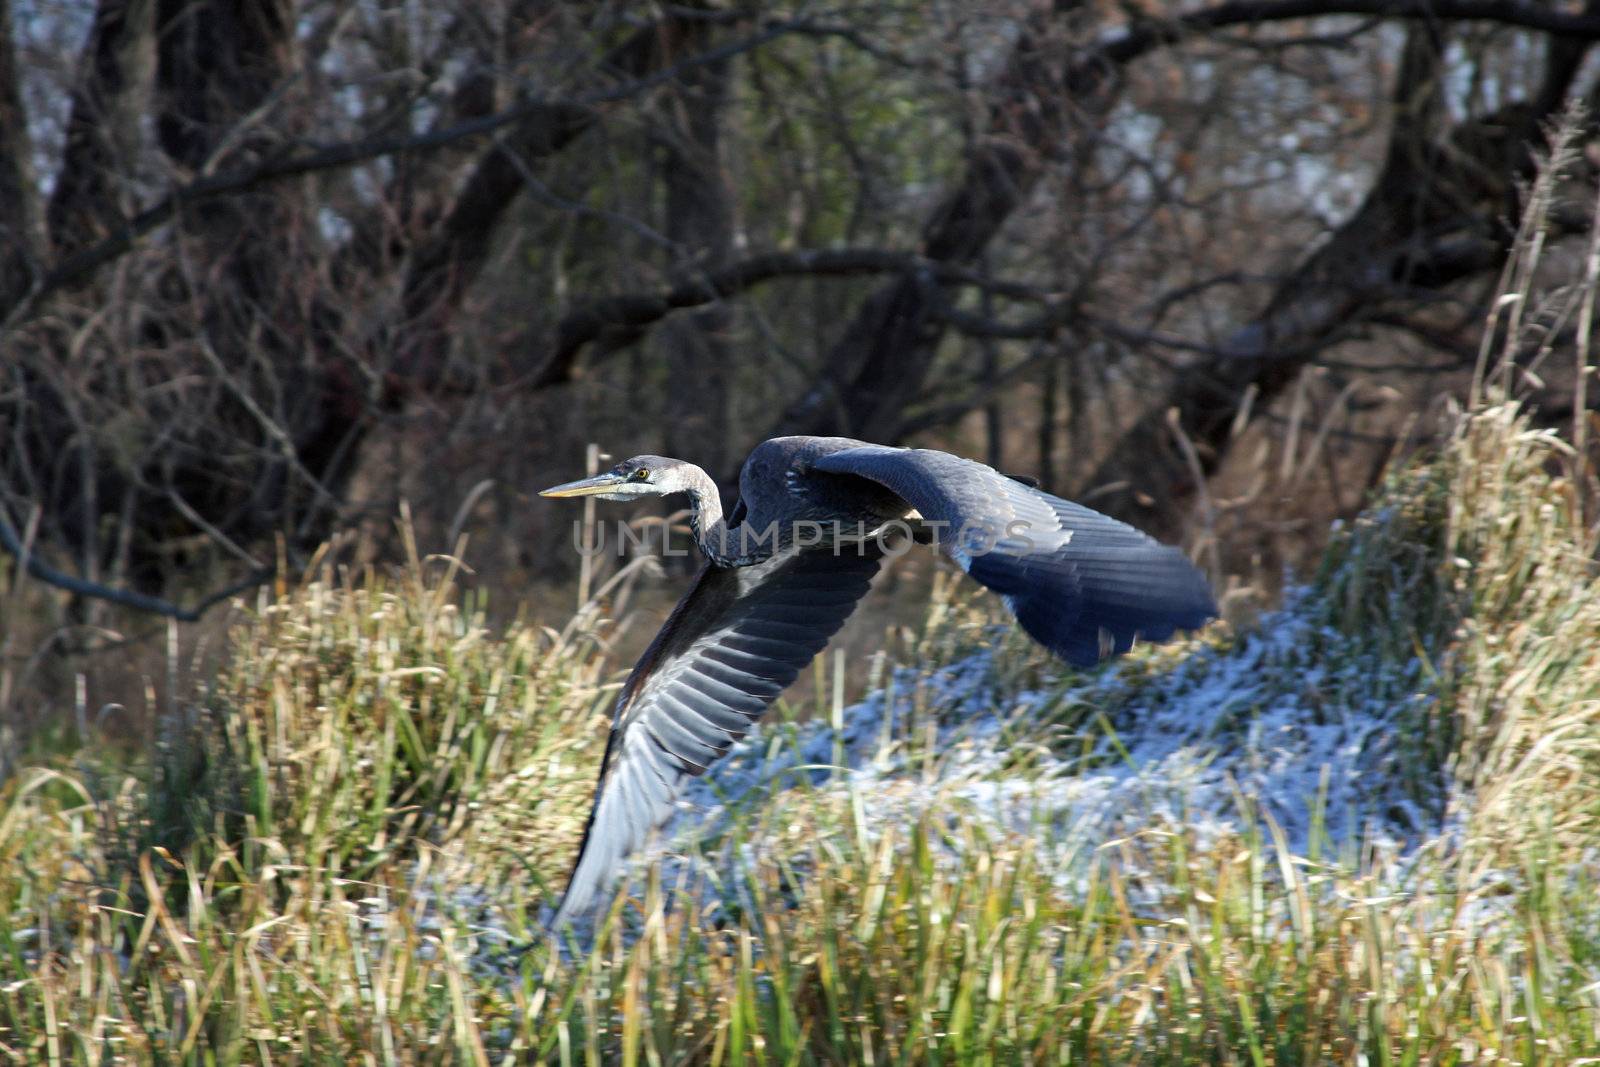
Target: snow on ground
{"type": "Point", "coordinates": [1291, 720]}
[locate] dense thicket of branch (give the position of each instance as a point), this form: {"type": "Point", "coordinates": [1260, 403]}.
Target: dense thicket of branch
{"type": "Point", "coordinates": [1437, 213]}
{"type": "Point", "coordinates": [241, 178]}
{"type": "Point", "coordinates": [77, 268]}
{"type": "Point", "coordinates": [883, 356]}
{"type": "Point", "coordinates": [450, 258]}
{"type": "Point", "coordinates": [303, 262]}
{"type": "Point", "coordinates": [285, 375]}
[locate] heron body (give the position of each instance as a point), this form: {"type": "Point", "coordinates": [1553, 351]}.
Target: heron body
{"type": "Point", "coordinates": [787, 567]}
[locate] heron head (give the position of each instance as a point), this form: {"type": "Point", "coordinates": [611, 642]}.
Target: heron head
{"type": "Point", "coordinates": [639, 476]}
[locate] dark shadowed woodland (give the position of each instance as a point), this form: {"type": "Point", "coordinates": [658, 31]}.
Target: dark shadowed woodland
{"type": "Point", "coordinates": [271, 267]}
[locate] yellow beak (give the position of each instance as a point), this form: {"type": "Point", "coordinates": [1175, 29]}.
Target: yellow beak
{"type": "Point", "coordinates": [602, 483]}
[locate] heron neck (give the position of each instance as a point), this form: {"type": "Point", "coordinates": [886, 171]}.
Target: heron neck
{"type": "Point", "coordinates": [706, 523]}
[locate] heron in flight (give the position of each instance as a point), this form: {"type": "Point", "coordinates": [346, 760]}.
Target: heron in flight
{"type": "Point", "coordinates": [786, 568]}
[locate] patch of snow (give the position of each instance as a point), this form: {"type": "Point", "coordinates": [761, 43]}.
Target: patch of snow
{"type": "Point", "coordinates": [1294, 722]}
{"type": "Point", "coordinates": [1277, 725]}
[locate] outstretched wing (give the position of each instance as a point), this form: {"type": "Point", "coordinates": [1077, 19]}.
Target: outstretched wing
{"type": "Point", "coordinates": [1081, 583]}
{"type": "Point", "coordinates": [736, 640]}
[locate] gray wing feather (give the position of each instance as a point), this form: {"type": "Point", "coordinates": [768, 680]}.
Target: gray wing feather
{"type": "Point", "coordinates": [736, 640]}
{"type": "Point", "coordinates": [1080, 583]}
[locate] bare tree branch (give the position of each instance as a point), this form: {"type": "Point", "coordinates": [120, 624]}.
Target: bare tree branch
{"type": "Point", "coordinates": [933, 418]}
{"type": "Point", "coordinates": [1145, 36]}
{"type": "Point", "coordinates": [1046, 324]}
{"type": "Point", "coordinates": [450, 259]}
{"type": "Point", "coordinates": [630, 311]}
{"type": "Point", "coordinates": [128, 598]}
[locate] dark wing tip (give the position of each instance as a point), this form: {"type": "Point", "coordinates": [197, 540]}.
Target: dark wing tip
{"type": "Point", "coordinates": [1089, 606]}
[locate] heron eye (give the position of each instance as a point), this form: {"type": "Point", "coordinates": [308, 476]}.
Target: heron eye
{"type": "Point", "coordinates": [641, 475]}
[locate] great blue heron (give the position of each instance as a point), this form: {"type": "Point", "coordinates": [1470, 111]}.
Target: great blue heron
{"type": "Point", "coordinates": [787, 567]}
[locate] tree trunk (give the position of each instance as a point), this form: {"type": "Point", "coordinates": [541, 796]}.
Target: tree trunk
{"type": "Point", "coordinates": [93, 189]}
{"type": "Point", "coordinates": [21, 227]}
{"type": "Point", "coordinates": [699, 221]}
